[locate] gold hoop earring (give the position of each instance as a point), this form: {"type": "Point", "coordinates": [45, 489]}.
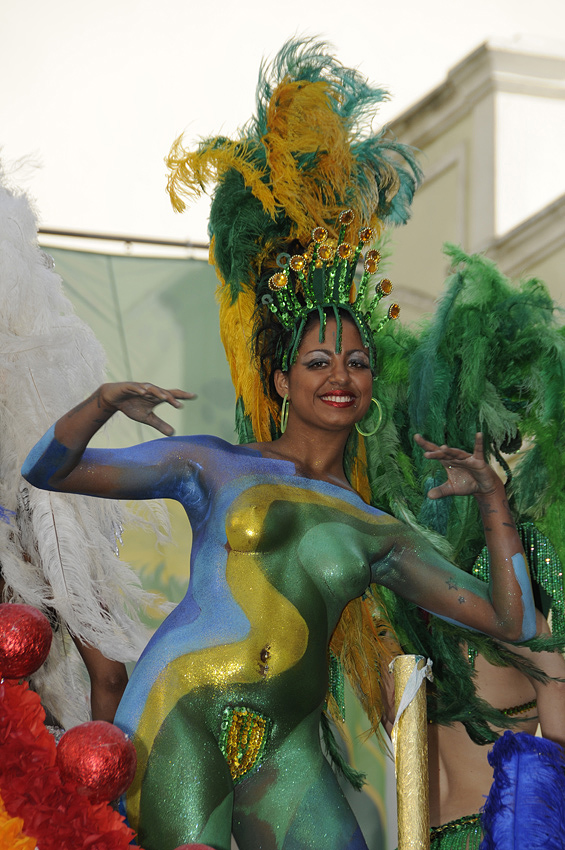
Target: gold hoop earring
{"type": "Point", "coordinates": [284, 412]}
{"type": "Point", "coordinates": [377, 403]}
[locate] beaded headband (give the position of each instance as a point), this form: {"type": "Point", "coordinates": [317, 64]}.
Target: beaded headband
{"type": "Point", "coordinates": [326, 274]}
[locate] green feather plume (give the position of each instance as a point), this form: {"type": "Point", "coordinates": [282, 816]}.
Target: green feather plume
{"type": "Point", "coordinates": [308, 153]}
{"type": "Point", "coordinates": [491, 359]}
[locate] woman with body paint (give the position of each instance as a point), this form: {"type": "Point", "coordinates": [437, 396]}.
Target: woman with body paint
{"type": "Point", "coordinates": [224, 705]}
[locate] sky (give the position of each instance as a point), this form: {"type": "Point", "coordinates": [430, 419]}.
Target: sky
{"type": "Point", "coordinates": [93, 94]}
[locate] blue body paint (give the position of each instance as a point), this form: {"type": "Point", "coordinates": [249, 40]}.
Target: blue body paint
{"type": "Point", "coordinates": [523, 579]}
{"type": "Point", "coordinates": [529, 618]}
{"type": "Point", "coordinates": [6, 515]}
{"type": "Point", "coordinates": [44, 460]}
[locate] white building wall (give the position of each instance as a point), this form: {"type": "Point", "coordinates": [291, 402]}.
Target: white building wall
{"type": "Point", "coordinates": [530, 156]}
{"type": "Point", "coordinates": [492, 147]}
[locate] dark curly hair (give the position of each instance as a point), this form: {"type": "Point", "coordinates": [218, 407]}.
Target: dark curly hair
{"type": "Point", "coordinates": [270, 338]}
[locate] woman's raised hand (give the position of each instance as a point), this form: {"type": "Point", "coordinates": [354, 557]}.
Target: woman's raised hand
{"type": "Point", "coordinates": [137, 401]}
{"type": "Point", "coordinates": [467, 474]}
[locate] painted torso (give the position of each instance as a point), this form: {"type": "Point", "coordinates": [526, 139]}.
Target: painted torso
{"type": "Point", "coordinates": [275, 558]}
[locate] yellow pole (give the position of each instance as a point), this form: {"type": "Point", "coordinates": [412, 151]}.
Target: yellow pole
{"type": "Point", "coordinates": [410, 739]}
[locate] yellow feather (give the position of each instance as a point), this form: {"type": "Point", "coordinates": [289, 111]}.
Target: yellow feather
{"type": "Point", "coordinates": [359, 479]}
{"type": "Point", "coordinates": [364, 639]}
{"type": "Point", "coordinates": [300, 122]}
{"type": "Point", "coordinates": [236, 327]}
{"type": "Point", "coordinates": [365, 643]}
{"type": "Point", "coordinates": [190, 172]}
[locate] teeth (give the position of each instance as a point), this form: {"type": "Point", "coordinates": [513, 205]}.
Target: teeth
{"type": "Point", "coordinates": [338, 397]}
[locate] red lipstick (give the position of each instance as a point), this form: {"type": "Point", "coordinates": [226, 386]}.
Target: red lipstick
{"type": "Point", "coordinates": [338, 398]}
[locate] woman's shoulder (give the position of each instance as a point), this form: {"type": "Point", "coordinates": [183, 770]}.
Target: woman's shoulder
{"type": "Point", "coordinates": [204, 440]}
{"type": "Point", "coordinates": [200, 447]}
{"type": "Point", "coordinates": [213, 442]}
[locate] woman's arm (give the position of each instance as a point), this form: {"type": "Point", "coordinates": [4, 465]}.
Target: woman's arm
{"type": "Point", "coordinates": [550, 696]}
{"type": "Point", "coordinates": [59, 461]}
{"type": "Point", "coordinates": [413, 569]}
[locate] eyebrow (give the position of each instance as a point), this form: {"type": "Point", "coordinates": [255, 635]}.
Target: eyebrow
{"type": "Point", "coordinates": [331, 351]}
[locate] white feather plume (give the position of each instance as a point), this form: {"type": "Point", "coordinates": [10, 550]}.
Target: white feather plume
{"type": "Point", "coordinates": [57, 552]}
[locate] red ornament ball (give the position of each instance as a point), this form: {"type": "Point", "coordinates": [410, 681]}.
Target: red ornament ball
{"type": "Point", "coordinates": [25, 640]}
{"type": "Point", "coordinates": [98, 758]}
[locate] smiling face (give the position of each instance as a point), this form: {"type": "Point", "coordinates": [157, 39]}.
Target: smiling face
{"type": "Point", "coordinates": [328, 389]}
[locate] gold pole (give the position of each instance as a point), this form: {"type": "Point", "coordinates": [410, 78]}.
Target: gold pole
{"type": "Point", "coordinates": [410, 738]}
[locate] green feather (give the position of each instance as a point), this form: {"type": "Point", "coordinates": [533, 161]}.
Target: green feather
{"type": "Point", "coordinates": [337, 760]}
{"type": "Point", "coordinates": [239, 223]}
{"type": "Point", "coordinates": [492, 358]}
{"type": "Point", "coordinates": [243, 427]}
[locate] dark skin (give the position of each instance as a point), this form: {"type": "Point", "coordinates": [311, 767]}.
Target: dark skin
{"type": "Point", "coordinates": [459, 773]}
{"type": "Point", "coordinates": [329, 392]}
{"type": "Point", "coordinates": [108, 678]}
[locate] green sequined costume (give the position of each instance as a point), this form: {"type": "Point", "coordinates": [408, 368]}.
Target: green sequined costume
{"type": "Point", "coordinates": [462, 834]}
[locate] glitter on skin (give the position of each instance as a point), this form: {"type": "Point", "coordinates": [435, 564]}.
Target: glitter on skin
{"type": "Point", "coordinates": [252, 517]}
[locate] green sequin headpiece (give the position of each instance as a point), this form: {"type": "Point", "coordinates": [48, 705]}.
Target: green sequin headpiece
{"type": "Point", "coordinates": [326, 273]}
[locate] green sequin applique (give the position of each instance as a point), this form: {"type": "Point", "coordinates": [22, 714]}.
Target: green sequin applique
{"type": "Point", "coordinates": [243, 737]}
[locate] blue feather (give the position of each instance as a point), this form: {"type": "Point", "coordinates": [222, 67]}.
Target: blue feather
{"type": "Point", "coordinates": [525, 809]}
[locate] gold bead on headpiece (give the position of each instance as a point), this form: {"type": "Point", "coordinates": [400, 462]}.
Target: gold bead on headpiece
{"type": "Point", "coordinates": [326, 272]}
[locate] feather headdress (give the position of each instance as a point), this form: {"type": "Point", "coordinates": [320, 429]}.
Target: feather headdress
{"type": "Point", "coordinates": [309, 153]}
{"type": "Point", "coordinates": [493, 360]}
